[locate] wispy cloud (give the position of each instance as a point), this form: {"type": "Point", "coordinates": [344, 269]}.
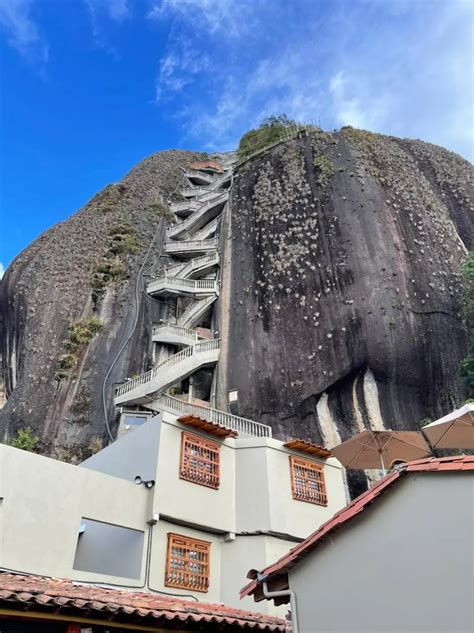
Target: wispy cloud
{"type": "Point", "coordinates": [396, 67]}
{"type": "Point", "coordinates": [23, 32]}
{"type": "Point", "coordinates": [2, 270]}
{"type": "Point", "coordinates": [227, 17]}
{"type": "Point", "coordinates": [178, 68]}
{"type": "Point", "coordinates": [101, 11]}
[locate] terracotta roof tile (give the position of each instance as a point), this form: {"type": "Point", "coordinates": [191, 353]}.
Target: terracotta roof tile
{"type": "Point", "coordinates": [457, 463]}
{"type": "Point", "coordinates": [100, 603]}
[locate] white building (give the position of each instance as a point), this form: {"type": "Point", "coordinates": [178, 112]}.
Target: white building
{"type": "Point", "coordinates": [217, 503]}
{"type": "Point", "coordinates": [398, 559]}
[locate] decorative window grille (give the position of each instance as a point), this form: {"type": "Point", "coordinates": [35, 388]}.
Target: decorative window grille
{"type": "Point", "coordinates": [199, 460]}
{"type": "Point", "coordinates": [307, 481]}
{"type": "Point", "coordinates": [187, 563]}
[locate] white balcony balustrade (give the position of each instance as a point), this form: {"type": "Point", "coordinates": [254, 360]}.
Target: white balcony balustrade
{"type": "Point", "coordinates": [190, 248]}
{"type": "Point", "coordinates": [199, 218]}
{"type": "Point", "coordinates": [243, 426]}
{"type": "Point", "coordinates": [168, 286]}
{"type": "Point", "coordinates": [174, 369]}
{"type": "Point", "coordinates": [174, 335]}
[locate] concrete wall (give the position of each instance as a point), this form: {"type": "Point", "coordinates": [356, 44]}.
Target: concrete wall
{"type": "Point", "coordinates": [264, 497]}
{"type": "Point", "coordinates": [404, 565]}
{"type": "Point", "coordinates": [185, 500]}
{"type": "Point", "coordinates": [135, 453]}
{"type": "Point", "coordinates": [44, 502]}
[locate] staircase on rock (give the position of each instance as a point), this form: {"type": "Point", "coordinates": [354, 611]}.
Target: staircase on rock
{"type": "Point", "coordinates": [186, 343]}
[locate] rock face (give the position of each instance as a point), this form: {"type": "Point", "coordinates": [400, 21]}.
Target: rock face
{"type": "Point", "coordinates": [340, 305]}
{"type": "Point", "coordinates": [84, 267]}
{"type": "Point", "coordinates": [343, 298]}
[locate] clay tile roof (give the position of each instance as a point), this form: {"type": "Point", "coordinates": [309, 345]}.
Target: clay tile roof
{"type": "Point", "coordinates": [207, 164]}
{"type": "Point", "coordinates": [306, 446]}
{"type": "Point", "coordinates": [207, 426]}
{"type": "Point", "coordinates": [36, 593]}
{"type": "Point", "coordinates": [281, 567]}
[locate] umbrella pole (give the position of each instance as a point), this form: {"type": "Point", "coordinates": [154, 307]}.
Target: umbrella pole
{"type": "Point", "coordinates": [384, 472]}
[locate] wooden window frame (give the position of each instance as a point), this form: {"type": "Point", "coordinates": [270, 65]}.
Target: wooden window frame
{"type": "Point", "coordinates": [305, 490]}
{"type": "Point", "coordinates": [211, 459]}
{"type": "Point", "coordinates": [185, 576]}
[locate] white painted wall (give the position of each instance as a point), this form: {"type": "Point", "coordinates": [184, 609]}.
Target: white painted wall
{"type": "Point", "coordinates": [404, 565]}
{"type": "Point", "coordinates": [43, 503]}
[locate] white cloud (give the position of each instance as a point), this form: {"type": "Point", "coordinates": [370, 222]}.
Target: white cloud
{"type": "Point", "coordinates": [103, 10]}
{"type": "Point", "coordinates": [178, 68]}
{"type": "Point", "coordinates": [229, 17]}
{"type": "Point", "coordinates": [2, 270]}
{"type": "Point", "coordinates": [23, 32]}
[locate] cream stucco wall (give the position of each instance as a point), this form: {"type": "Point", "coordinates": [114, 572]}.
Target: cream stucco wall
{"type": "Point", "coordinates": [43, 503]}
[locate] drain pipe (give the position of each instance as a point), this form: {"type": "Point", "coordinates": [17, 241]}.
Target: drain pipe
{"type": "Point", "coordinates": [282, 594]}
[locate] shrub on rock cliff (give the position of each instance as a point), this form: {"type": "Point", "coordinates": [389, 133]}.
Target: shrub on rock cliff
{"type": "Point", "coordinates": [25, 439]}
{"type": "Point", "coordinates": [270, 131]}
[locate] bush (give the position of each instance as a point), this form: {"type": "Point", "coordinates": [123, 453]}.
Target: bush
{"type": "Point", "coordinates": [82, 332]}
{"type": "Point", "coordinates": [324, 169]}
{"type": "Point", "coordinates": [270, 131]}
{"type": "Point", "coordinates": [25, 439]}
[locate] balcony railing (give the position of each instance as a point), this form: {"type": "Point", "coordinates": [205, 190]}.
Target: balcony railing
{"type": "Point", "coordinates": [190, 246]}
{"type": "Point", "coordinates": [187, 286]}
{"type": "Point", "coordinates": [178, 228]}
{"type": "Point", "coordinates": [243, 426]}
{"type": "Point", "coordinates": [164, 367]}
{"type": "Point", "coordinates": [170, 330]}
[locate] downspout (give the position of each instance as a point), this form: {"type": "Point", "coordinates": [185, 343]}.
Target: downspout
{"type": "Point", "coordinates": [282, 594]}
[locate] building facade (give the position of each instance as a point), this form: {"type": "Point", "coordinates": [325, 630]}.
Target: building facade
{"type": "Point", "coordinates": [210, 505]}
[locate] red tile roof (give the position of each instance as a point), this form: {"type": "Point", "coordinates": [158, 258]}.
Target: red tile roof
{"type": "Point", "coordinates": [279, 569]}
{"type": "Point", "coordinates": [36, 593]}
{"type": "Point", "coordinates": [205, 425]}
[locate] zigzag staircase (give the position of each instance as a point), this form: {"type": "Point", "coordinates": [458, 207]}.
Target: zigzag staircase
{"type": "Point", "coordinates": [193, 244]}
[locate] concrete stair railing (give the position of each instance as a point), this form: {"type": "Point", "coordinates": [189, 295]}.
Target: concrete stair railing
{"type": "Point", "coordinates": [187, 287]}
{"type": "Point", "coordinates": [199, 177]}
{"type": "Point", "coordinates": [174, 369]}
{"type": "Point", "coordinates": [243, 426]}
{"type": "Point", "coordinates": [208, 211]}
{"type": "Point", "coordinates": [188, 248]}
{"type": "Point", "coordinates": [194, 313]}
{"type": "Point", "coordinates": [209, 230]}
{"type": "Point", "coordinates": [174, 335]}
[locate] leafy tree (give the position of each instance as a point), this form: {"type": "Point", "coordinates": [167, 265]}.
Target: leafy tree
{"type": "Point", "coordinates": [467, 365]}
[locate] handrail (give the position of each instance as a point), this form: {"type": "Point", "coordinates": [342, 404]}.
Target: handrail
{"type": "Point", "coordinates": [197, 262]}
{"type": "Point", "coordinates": [195, 215]}
{"type": "Point", "coordinates": [195, 307]}
{"type": "Point", "coordinates": [148, 376]}
{"type": "Point", "coordinates": [179, 283]}
{"type": "Point", "coordinates": [234, 422]}
{"type": "Point", "coordinates": [189, 245]}
{"type": "Point", "coordinates": [178, 330]}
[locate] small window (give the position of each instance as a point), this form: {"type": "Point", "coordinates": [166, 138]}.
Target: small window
{"type": "Point", "coordinates": [199, 460]}
{"type": "Point", "coordinates": [307, 481]}
{"type": "Point", "coordinates": [187, 563]}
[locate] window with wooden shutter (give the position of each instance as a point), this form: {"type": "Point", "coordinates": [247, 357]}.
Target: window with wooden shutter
{"type": "Point", "coordinates": [187, 563]}
{"type": "Point", "coordinates": [307, 481]}
{"type": "Point", "coordinates": [199, 460]}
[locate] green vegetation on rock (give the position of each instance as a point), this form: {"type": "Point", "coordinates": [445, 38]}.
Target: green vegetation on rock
{"type": "Point", "coordinates": [25, 439]}
{"type": "Point", "coordinates": [467, 365]}
{"type": "Point", "coordinates": [324, 169]}
{"type": "Point", "coordinates": [270, 131]}
{"type": "Point", "coordinates": [81, 334]}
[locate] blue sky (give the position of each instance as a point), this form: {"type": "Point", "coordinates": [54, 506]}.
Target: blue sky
{"type": "Point", "coordinates": [90, 87]}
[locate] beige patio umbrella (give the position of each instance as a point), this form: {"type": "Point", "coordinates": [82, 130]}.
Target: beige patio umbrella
{"type": "Point", "coordinates": [379, 449]}
{"type": "Point", "coordinates": [455, 430]}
